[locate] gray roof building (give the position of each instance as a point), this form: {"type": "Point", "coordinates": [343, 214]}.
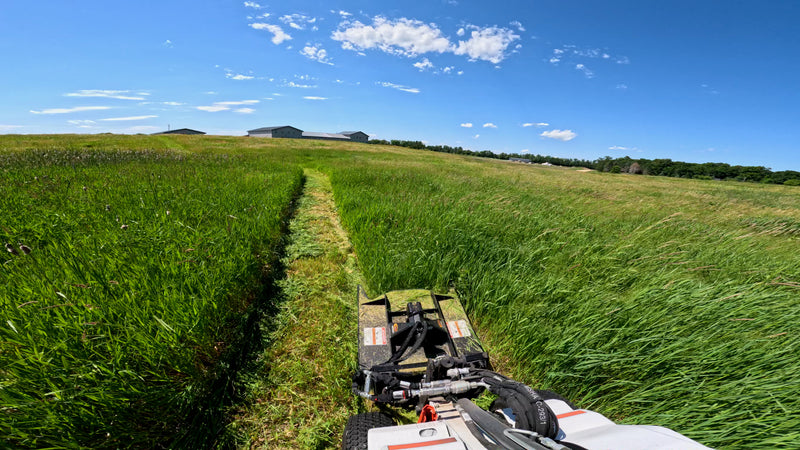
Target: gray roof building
{"type": "Point", "coordinates": [287, 131]}
{"type": "Point", "coordinates": [181, 131]}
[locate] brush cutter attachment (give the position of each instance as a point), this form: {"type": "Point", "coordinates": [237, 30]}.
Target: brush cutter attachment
{"type": "Point", "coordinates": [414, 344]}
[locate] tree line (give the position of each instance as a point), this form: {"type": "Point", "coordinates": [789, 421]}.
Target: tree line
{"type": "Point", "coordinates": [626, 164]}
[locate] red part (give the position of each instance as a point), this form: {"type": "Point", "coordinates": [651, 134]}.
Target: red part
{"type": "Point", "coordinates": [428, 414]}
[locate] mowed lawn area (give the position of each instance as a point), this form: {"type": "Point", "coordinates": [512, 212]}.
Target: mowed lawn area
{"type": "Point", "coordinates": [651, 300]}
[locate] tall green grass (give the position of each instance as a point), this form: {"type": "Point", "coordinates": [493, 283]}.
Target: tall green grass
{"type": "Point", "coordinates": [140, 265]}
{"type": "Point", "coordinates": [667, 302]}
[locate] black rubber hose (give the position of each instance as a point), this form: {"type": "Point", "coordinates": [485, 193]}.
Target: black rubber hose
{"type": "Point", "coordinates": [418, 344]}
{"type": "Point", "coordinates": [404, 346]}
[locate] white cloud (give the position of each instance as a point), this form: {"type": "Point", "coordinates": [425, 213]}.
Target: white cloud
{"type": "Point", "coordinates": [586, 71]}
{"type": "Point", "coordinates": [460, 32]}
{"type": "Point", "coordinates": [7, 128]}
{"type": "Point", "coordinates": [399, 87]}
{"type": "Point", "coordinates": [116, 119]}
{"type": "Point", "coordinates": [524, 151]}
{"type": "Point", "coordinates": [622, 86]}
{"type": "Point", "coordinates": [466, 125]}
{"type": "Point", "coordinates": [489, 125]}
{"type": "Point", "coordinates": [344, 14]}
{"type": "Point", "coordinates": [167, 43]}
{"type": "Point", "coordinates": [252, 5]}
{"type": "Point", "coordinates": [244, 110]}
{"type": "Point", "coordinates": [517, 25]}
{"type": "Point", "coordinates": [238, 76]}
{"type": "Point", "coordinates": [561, 135]}
{"type": "Point", "coordinates": [120, 95]}
{"type": "Point", "coordinates": [617, 147]}
{"type": "Point", "coordinates": [317, 53]}
{"type": "Point", "coordinates": [301, 86]}
{"type": "Point", "coordinates": [297, 21]}
{"type": "Point", "coordinates": [538, 124]}
{"type": "Point", "coordinates": [278, 34]}
{"type": "Point", "coordinates": [211, 93]}
{"type": "Point", "coordinates": [172, 103]}
{"type": "Point", "coordinates": [488, 44]}
{"type": "Point", "coordinates": [311, 97]}
{"type": "Point", "coordinates": [71, 110]}
{"type": "Point", "coordinates": [424, 64]}
{"type": "Point", "coordinates": [476, 136]}
{"type": "Point", "coordinates": [226, 106]}
{"type": "Point", "coordinates": [214, 108]}
{"type": "Point", "coordinates": [403, 36]}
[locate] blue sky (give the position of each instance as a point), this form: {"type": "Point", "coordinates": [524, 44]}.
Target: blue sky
{"type": "Point", "coordinates": [693, 81]}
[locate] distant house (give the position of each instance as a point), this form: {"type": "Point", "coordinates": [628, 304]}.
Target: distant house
{"type": "Point", "coordinates": [296, 133]}
{"type": "Point", "coordinates": [520, 160]}
{"type": "Point", "coordinates": [181, 131]}
{"type": "Point", "coordinates": [358, 136]}
{"type": "Point", "coordinates": [284, 131]}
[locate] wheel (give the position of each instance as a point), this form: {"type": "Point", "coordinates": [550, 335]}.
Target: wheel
{"type": "Point", "coordinates": [355, 432]}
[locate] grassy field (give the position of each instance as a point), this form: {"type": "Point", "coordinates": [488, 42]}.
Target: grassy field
{"type": "Point", "coordinates": [652, 300]}
{"type": "Point", "coordinates": [137, 270]}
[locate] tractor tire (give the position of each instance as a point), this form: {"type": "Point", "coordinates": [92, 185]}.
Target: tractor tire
{"type": "Point", "coordinates": [355, 432]}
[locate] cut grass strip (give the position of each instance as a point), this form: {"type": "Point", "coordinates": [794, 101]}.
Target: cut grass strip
{"type": "Point", "coordinates": [303, 398]}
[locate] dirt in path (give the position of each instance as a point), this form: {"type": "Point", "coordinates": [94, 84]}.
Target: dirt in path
{"type": "Point", "coordinates": [301, 397]}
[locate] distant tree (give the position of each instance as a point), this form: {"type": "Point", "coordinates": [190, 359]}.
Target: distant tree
{"type": "Point", "coordinates": [616, 169]}
{"type": "Point", "coordinates": [635, 169]}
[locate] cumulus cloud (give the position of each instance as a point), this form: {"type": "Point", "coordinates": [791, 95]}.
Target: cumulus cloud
{"type": "Point", "coordinates": [489, 125]}
{"type": "Point", "coordinates": [516, 24]}
{"type": "Point", "coordinates": [404, 37]}
{"type": "Point", "coordinates": [537, 124]}
{"type": "Point", "coordinates": [424, 64]}
{"type": "Point", "coordinates": [70, 110]}
{"type": "Point", "coordinates": [410, 38]}
{"type": "Point", "coordinates": [311, 97]}
{"type": "Point", "coordinates": [317, 53]}
{"type": "Point", "coordinates": [561, 135]}
{"type": "Point", "coordinates": [120, 95]}
{"type": "Point", "coordinates": [252, 5]}
{"type": "Point", "coordinates": [399, 87]}
{"type": "Point", "coordinates": [466, 125]}
{"type": "Point", "coordinates": [278, 35]}
{"type": "Point", "coordinates": [119, 119]}
{"type": "Point", "coordinates": [488, 44]}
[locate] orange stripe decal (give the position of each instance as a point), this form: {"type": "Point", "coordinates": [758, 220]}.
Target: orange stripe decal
{"type": "Point", "coordinates": [570, 414]}
{"type": "Point", "coordinates": [423, 444]}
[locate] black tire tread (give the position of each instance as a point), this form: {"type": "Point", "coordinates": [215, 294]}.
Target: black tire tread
{"type": "Point", "coordinates": [355, 432]}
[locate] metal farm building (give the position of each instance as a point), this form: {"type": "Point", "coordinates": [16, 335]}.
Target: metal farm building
{"type": "Point", "coordinates": [287, 131]}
